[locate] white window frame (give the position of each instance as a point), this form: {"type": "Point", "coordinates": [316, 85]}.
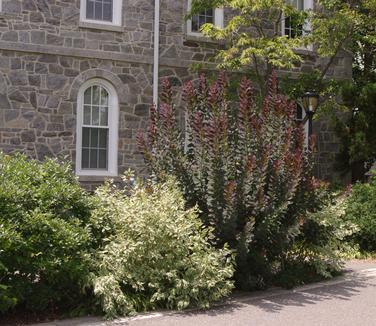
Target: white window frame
{"type": "Point", "coordinates": [113, 130]}
{"type": "Point", "coordinates": [218, 20]}
{"type": "Point", "coordinates": [308, 5]}
{"type": "Point", "coordinates": [116, 14]}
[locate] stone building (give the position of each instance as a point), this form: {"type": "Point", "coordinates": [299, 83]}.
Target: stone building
{"type": "Point", "coordinates": [76, 77]}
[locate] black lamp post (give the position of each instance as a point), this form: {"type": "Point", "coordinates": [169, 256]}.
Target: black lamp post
{"type": "Point", "coordinates": [310, 102]}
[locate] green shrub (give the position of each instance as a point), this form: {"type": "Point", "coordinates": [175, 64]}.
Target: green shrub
{"type": "Point", "coordinates": [244, 164]}
{"type": "Point", "coordinates": [319, 251]}
{"type": "Point", "coordinates": [361, 210]}
{"type": "Point", "coordinates": [157, 254]}
{"type": "Point", "coordinates": [43, 237]}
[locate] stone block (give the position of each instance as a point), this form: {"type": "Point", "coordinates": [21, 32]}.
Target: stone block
{"type": "Point", "coordinates": [11, 36]}
{"type": "Point", "coordinates": [28, 5]}
{"type": "Point", "coordinates": [56, 82]}
{"type": "Point", "coordinates": [34, 80]}
{"type": "Point", "coordinates": [53, 39]}
{"type": "Point", "coordinates": [19, 78]}
{"type": "Point", "coordinates": [127, 78]}
{"type": "Point", "coordinates": [42, 151]}
{"type": "Point", "coordinates": [36, 17]}
{"type": "Point", "coordinates": [17, 96]}
{"type": "Point", "coordinates": [38, 37]}
{"type": "Point", "coordinates": [11, 6]}
{"type": "Point", "coordinates": [55, 69]}
{"type": "Point", "coordinates": [28, 136]}
{"type": "Point", "coordinates": [4, 102]}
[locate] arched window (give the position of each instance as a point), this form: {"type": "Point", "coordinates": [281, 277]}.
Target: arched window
{"type": "Point", "coordinates": [97, 129]}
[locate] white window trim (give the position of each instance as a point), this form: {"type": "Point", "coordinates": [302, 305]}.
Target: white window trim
{"type": "Point", "coordinates": [116, 14]}
{"type": "Point", "coordinates": [308, 5]}
{"type": "Point", "coordinates": [218, 20]}
{"type": "Point", "coordinates": [113, 126]}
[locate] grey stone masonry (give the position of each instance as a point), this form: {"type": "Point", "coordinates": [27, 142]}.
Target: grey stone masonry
{"type": "Point", "coordinates": [46, 54]}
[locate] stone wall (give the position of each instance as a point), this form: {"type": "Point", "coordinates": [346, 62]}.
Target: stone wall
{"type": "Point", "coordinates": [38, 98]}
{"type": "Point", "coordinates": [46, 54]}
{"type": "Point", "coordinates": [55, 26]}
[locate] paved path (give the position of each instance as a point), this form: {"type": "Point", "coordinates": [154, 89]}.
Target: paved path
{"type": "Point", "coordinates": [346, 301]}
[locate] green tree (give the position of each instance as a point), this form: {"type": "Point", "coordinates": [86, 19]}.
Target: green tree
{"type": "Point", "coordinates": [255, 42]}
{"type": "Point", "coordinates": [359, 96]}
{"type": "Point", "coordinates": [254, 38]}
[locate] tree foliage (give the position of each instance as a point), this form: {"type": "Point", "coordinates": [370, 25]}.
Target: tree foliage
{"type": "Point", "coordinates": [254, 38]}
{"type": "Point", "coordinates": [357, 131]}
{"type": "Point", "coordinates": [361, 210]}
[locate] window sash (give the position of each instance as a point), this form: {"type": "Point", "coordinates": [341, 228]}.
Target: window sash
{"type": "Point", "coordinates": [94, 148]}
{"type": "Point", "coordinates": [197, 21]}
{"type": "Point", "coordinates": [287, 22]}
{"type": "Point", "coordinates": [99, 10]}
{"type": "Point", "coordinates": [96, 145]}
{"type": "Point", "coordinates": [217, 20]}
{"type": "Point", "coordinates": [104, 12]}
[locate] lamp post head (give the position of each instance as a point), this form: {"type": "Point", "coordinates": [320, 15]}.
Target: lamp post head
{"type": "Point", "coordinates": [310, 101]}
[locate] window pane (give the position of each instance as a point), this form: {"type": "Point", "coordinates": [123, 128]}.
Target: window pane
{"type": "Point", "coordinates": [207, 16]}
{"type": "Point", "coordinates": [102, 161]}
{"type": "Point", "coordinates": [107, 11]}
{"type": "Point", "coordinates": [94, 138]}
{"type": "Point", "coordinates": [85, 158]}
{"type": "Point", "coordinates": [86, 137]}
{"type": "Point", "coordinates": [93, 159]}
{"type": "Point", "coordinates": [96, 95]}
{"type": "Point", "coordinates": [293, 27]}
{"type": "Point", "coordinates": [89, 9]}
{"type": "Point", "coordinates": [87, 115]}
{"type": "Point", "coordinates": [195, 24]}
{"type": "Point", "coordinates": [209, 13]}
{"type": "Point", "coordinates": [104, 116]}
{"type": "Point", "coordinates": [201, 21]}
{"type": "Point", "coordinates": [87, 96]}
{"type": "Point", "coordinates": [98, 14]}
{"type": "Point", "coordinates": [103, 138]}
{"type": "Point", "coordinates": [104, 97]}
{"type": "Point", "coordinates": [95, 115]}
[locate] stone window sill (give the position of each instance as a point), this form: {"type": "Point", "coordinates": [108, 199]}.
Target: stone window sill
{"type": "Point", "coordinates": [201, 39]}
{"type": "Point", "coordinates": [102, 27]}
{"type": "Point", "coordinates": [101, 179]}
{"type": "Point", "coordinates": [305, 51]}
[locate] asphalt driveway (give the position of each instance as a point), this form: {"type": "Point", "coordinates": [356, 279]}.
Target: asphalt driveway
{"type": "Point", "coordinates": [349, 300]}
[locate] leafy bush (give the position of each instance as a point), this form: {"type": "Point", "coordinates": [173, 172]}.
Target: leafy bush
{"type": "Point", "coordinates": [245, 166]}
{"type": "Point", "coordinates": [322, 246]}
{"type": "Point", "coordinates": [156, 254]}
{"type": "Point", "coordinates": [361, 210]}
{"type": "Point", "coordinates": [43, 238]}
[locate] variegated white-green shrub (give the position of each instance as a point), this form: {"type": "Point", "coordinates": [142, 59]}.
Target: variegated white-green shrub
{"type": "Point", "coordinates": [156, 254]}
